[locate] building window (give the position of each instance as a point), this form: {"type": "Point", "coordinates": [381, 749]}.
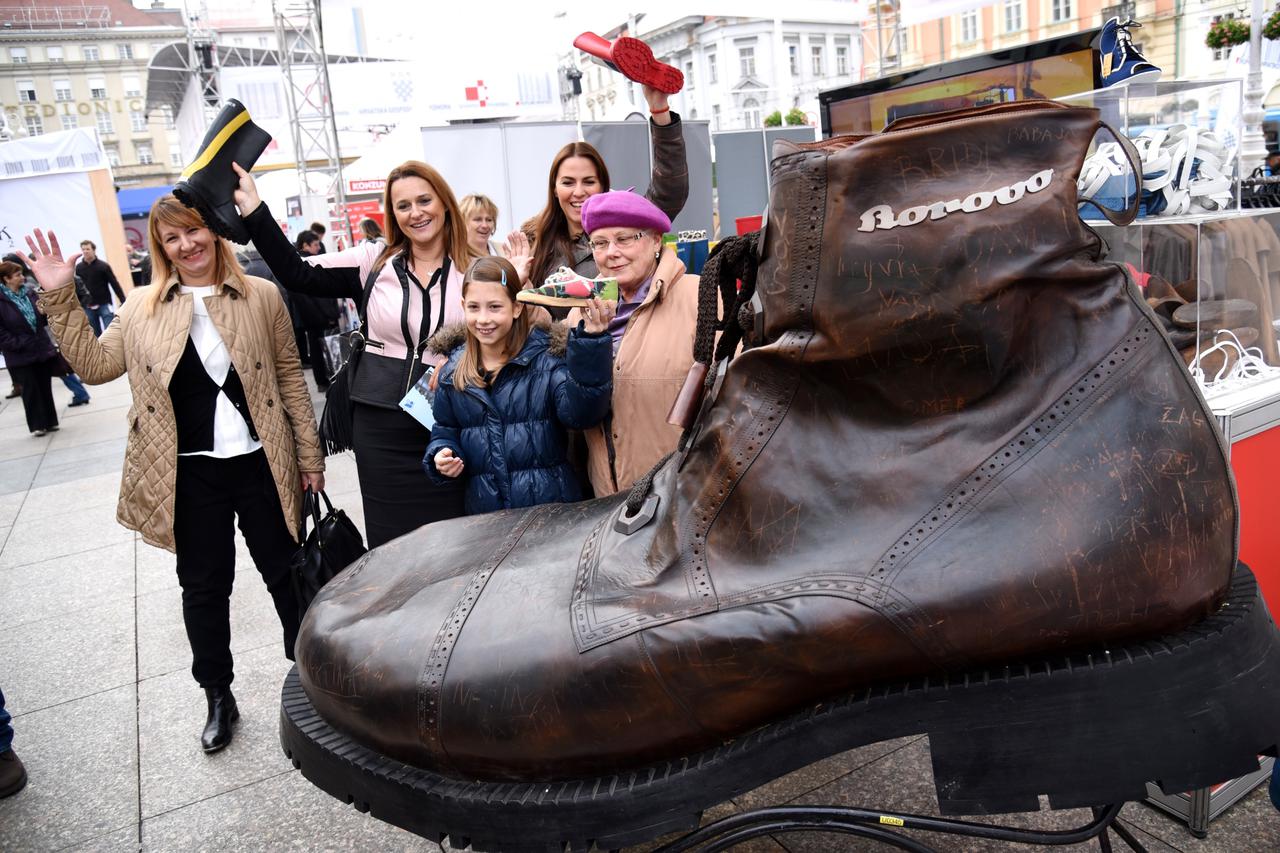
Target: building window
{"type": "Point", "coordinates": [747, 61]}
{"type": "Point", "coordinates": [262, 41]}
{"type": "Point", "coordinates": [69, 122]}
{"type": "Point", "coordinates": [146, 156]}
{"type": "Point", "coordinates": [1012, 16]}
{"type": "Point", "coordinates": [175, 157]}
{"type": "Point", "coordinates": [969, 26]}
{"type": "Point", "coordinates": [713, 76]}
{"type": "Point", "coordinates": [819, 66]}
{"type": "Point", "coordinates": [137, 121]}
{"type": "Point", "coordinates": [793, 59]}
{"type": "Point", "coordinates": [18, 55]}
{"type": "Point", "coordinates": [53, 53]}
{"type": "Point", "coordinates": [688, 74]}
{"type": "Point", "coordinates": [126, 50]}
{"type": "Point", "coordinates": [1059, 10]}
{"type": "Point", "coordinates": [104, 123]}
{"type": "Point", "coordinates": [98, 88]}
{"type": "Point", "coordinates": [62, 90]}
{"type": "Point", "coordinates": [751, 112]}
{"type": "Point", "coordinates": [1222, 52]}
{"type": "Point", "coordinates": [167, 113]}
{"type": "Point", "coordinates": [91, 53]}
{"type": "Point", "coordinates": [113, 155]}
{"type": "Point", "coordinates": [26, 91]}
{"type": "Point", "coordinates": [132, 88]}
{"type": "Point", "coordinates": [842, 60]}
{"type": "Point", "coordinates": [715, 116]}
{"type": "Point", "coordinates": [35, 126]}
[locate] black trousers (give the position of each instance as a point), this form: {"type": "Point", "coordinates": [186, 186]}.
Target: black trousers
{"type": "Point", "coordinates": [398, 495]}
{"type": "Point", "coordinates": [37, 393]}
{"type": "Point", "coordinates": [319, 366]}
{"type": "Point", "coordinates": [211, 494]}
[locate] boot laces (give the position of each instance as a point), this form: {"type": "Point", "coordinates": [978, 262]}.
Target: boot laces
{"type": "Point", "coordinates": [734, 259]}
{"type": "Point", "coordinates": [1124, 40]}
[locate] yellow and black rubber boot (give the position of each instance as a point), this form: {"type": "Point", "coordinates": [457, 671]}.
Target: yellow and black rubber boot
{"type": "Point", "coordinates": [209, 182]}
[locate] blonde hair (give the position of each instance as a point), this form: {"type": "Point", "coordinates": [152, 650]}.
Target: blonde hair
{"type": "Point", "coordinates": [167, 210]}
{"type": "Point", "coordinates": [490, 270]}
{"type": "Point", "coordinates": [455, 230]}
{"type": "Point", "coordinates": [476, 203]}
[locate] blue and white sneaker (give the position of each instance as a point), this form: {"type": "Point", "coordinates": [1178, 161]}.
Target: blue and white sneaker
{"type": "Point", "coordinates": [1121, 63]}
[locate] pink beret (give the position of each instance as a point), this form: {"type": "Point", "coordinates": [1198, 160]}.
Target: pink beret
{"type": "Point", "coordinates": [622, 209]}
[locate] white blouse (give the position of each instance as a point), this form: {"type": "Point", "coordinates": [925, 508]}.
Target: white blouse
{"type": "Point", "coordinates": [230, 431]}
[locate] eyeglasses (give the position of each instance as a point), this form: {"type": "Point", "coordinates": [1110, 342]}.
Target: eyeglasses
{"type": "Point", "coordinates": [622, 241]}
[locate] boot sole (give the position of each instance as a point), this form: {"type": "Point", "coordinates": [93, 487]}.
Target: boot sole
{"type": "Point", "coordinates": [636, 62]}
{"type": "Point", "coordinates": [193, 198]}
{"type": "Point", "coordinates": [1187, 710]}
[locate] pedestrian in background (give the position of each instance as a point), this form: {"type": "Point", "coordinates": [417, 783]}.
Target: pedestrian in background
{"type": "Point", "coordinates": [372, 231]}
{"type": "Point", "coordinates": [316, 315]}
{"type": "Point", "coordinates": [481, 216]}
{"type": "Point", "coordinates": [222, 428]}
{"type": "Point", "coordinates": [406, 291]}
{"type": "Point", "coordinates": [319, 230]}
{"type": "Point", "coordinates": [99, 281]}
{"type": "Point", "coordinates": [28, 351]}
{"type": "Point", "coordinates": [13, 776]}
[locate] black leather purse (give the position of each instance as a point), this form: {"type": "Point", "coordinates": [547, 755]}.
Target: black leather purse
{"type": "Point", "coordinates": [333, 544]}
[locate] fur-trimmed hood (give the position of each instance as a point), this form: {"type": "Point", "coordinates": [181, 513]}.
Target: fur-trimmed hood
{"type": "Point", "coordinates": [450, 337]}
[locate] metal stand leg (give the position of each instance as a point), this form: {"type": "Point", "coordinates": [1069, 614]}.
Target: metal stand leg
{"type": "Point", "coordinates": [866, 823]}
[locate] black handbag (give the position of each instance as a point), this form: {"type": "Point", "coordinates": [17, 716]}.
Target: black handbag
{"type": "Point", "coordinates": [333, 544]}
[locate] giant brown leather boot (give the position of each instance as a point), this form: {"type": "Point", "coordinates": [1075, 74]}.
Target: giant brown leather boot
{"type": "Point", "coordinates": [960, 484]}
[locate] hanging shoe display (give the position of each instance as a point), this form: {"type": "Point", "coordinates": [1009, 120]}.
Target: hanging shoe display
{"type": "Point", "coordinates": [1120, 62]}
{"type": "Point", "coordinates": [956, 481]}
{"type": "Point", "coordinates": [209, 183]}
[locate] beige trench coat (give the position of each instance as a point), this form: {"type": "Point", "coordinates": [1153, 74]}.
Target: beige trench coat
{"type": "Point", "coordinates": [254, 324]}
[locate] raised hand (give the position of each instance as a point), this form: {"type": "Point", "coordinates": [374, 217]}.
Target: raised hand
{"type": "Point", "coordinates": [448, 464]}
{"type": "Point", "coordinates": [246, 194]}
{"type": "Point", "coordinates": [516, 248]}
{"type": "Point", "coordinates": [596, 315]}
{"type": "Point", "coordinates": [659, 105]}
{"type": "Point", "coordinates": [46, 262]}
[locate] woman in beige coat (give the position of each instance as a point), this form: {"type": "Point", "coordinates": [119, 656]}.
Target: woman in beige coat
{"type": "Point", "coordinates": [221, 429]}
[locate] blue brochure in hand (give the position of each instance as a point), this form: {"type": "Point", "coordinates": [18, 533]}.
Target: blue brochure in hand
{"type": "Point", "coordinates": [418, 401]}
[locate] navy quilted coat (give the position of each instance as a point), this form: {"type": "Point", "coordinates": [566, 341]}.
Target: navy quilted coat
{"type": "Point", "coordinates": [512, 437]}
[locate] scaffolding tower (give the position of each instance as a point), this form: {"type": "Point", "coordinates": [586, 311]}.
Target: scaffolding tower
{"type": "Point", "coordinates": [300, 46]}
{"type": "Point", "coordinates": [202, 57]}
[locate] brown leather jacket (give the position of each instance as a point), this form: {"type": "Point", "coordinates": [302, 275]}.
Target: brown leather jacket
{"type": "Point", "coordinates": [255, 325]}
{"type": "Point", "coordinates": [648, 372]}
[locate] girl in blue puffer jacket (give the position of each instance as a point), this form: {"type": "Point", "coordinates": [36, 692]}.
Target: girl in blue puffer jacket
{"type": "Point", "coordinates": [511, 390]}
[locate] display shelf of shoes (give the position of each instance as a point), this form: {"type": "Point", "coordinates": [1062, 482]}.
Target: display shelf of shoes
{"type": "Point", "coordinates": [1210, 271]}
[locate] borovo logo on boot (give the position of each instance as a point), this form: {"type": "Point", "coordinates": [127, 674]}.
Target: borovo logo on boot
{"type": "Point", "coordinates": [881, 216]}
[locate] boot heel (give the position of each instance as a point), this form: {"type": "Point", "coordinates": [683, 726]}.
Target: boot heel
{"type": "Point", "coordinates": [1186, 711]}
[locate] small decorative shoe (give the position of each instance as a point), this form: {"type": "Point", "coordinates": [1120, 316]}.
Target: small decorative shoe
{"type": "Point", "coordinates": [1121, 63]}
{"type": "Point", "coordinates": [222, 714]}
{"type": "Point", "coordinates": [633, 59]}
{"type": "Point", "coordinates": [13, 775]}
{"type": "Point", "coordinates": [209, 183]}
{"type": "Point", "coordinates": [565, 288]}
{"type": "Point", "coordinates": [74, 403]}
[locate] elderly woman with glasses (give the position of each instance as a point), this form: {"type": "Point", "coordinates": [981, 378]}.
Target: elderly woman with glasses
{"type": "Point", "coordinates": [652, 330]}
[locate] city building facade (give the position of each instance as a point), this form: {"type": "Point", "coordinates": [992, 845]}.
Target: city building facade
{"type": "Point", "coordinates": [737, 71]}
{"type": "Point", "coordinates": [64, 66]}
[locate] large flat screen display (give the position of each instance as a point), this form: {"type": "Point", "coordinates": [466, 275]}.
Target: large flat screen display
{"type": "Point", "coordinates": [1048, 69]}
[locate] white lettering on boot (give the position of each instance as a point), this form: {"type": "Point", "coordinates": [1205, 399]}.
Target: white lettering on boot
{"type": "Point", "coordinates": [882, 217]}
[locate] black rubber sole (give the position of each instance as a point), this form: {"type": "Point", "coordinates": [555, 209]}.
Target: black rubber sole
{"type": "Point", "coordinates": [1185, 710]}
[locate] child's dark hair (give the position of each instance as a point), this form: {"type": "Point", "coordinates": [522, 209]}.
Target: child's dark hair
{"type": "Point", "coordinates": [491, 270]}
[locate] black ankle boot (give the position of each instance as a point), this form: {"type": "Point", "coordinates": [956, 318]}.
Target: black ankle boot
{"type": "Point", "coordinates": [222, 713]}
{"type": "Point", "coordinates": [209, 182]}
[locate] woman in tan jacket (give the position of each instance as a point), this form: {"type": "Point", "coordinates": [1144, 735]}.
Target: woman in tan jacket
{"type": "Point", "coordinates": [221, 429]}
